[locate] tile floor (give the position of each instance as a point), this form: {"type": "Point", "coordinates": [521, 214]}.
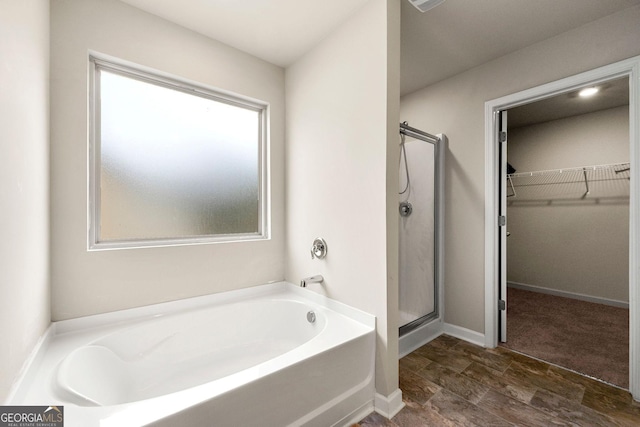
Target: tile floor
{"type": "Point", "coordinates": [449, 382]}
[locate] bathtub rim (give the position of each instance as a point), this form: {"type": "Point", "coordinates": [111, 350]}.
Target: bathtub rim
{"type": "Point", "coordinates": [174, 307]}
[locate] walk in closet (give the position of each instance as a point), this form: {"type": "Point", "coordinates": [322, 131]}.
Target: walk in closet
{"type": "Point", "coordinates": [568, 187]}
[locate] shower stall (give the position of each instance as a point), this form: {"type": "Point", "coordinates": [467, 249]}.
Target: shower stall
{"type": "Point", "coordinates": [421, 225]}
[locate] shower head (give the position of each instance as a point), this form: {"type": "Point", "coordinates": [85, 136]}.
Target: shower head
{"type": "Point", "coordinates": [424, 5]}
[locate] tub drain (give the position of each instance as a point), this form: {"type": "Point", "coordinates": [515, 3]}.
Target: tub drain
{"type": "Point", "coordinates": [311, 317]}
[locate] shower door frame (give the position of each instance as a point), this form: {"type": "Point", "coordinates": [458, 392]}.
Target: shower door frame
{"type": "Point", "coordinates": [439, 143]}
{"type": "Point", "coordinates": [629, 68]}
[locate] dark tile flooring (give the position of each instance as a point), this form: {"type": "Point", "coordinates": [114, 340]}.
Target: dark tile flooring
{"type": "Point", "coordinates": [449, 382]}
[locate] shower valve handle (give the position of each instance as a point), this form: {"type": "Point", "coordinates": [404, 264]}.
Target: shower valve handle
{"type": "Point", "coordinates": [319, 248]}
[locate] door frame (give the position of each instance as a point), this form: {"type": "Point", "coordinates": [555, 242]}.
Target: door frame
{"type": "Point", "coordinates": [630, 68]}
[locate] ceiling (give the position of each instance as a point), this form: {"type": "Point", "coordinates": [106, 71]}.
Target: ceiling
{"type": "Point", "coordinates": [611, 94]}
{"type": "Point", "coordinates": [447, 40]}
{"type": "Point", "coordinates": [461, 34]}
{"type": "Point", "coordinates": [278, 31]}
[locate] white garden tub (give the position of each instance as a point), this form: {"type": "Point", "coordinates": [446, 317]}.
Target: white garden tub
{"type": "Point", "coordinates": [273, 355]}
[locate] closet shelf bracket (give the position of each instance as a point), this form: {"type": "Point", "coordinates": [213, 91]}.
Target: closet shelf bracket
{"type": "Point", "coordinates": [586, 182]}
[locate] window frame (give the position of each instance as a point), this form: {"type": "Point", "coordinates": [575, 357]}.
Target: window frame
{"type": "Point", "coordinates": [146, 75]}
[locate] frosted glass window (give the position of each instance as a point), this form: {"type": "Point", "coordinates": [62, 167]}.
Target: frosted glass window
{"type": "Point", "coordinates": [173, 163]}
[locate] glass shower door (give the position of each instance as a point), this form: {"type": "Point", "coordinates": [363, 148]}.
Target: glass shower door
{"type": "Point", "coordinates": [417, 234]}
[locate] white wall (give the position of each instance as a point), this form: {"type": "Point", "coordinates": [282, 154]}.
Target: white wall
{"type": "Point", "coordinates": [342, 136]}
{"type": "Point", "coordinates": [456, 107]}
{"type": "Point", "coordinates": [560, 240]}
{"type": "Point", "coordinates": [86, 283]}
{"type": "Point", "coordinates": [24, 187]}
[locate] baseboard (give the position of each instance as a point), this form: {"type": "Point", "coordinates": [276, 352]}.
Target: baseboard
{"type": "Point", "coordinates": [419, 337]}
{"type": "Point", "coordinates": [427, 333]}
{"type": "Point", "coordinates": [464, 334]}
{"type": "Point", "coordinates": [565, 294]}
{"type": "Point", "coordinates": [389, 406]}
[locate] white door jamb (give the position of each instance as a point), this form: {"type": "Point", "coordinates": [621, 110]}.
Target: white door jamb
{"type": "Point", "coordinates": [630, 68]}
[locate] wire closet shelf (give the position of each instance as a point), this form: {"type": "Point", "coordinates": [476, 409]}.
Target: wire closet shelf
{"type": "Point", "coordinates": [596, 181]}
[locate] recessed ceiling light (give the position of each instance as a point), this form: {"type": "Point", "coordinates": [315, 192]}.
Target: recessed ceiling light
{"type": "Point", "coordinates": [588, 91]}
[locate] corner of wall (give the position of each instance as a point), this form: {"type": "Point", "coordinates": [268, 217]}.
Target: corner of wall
{"type": "Point", "coordinates": [24, 180]}
{"type": "Point", "coordinates": [349, 71]}
{"type": "Point", "coordinates": [389, 406]}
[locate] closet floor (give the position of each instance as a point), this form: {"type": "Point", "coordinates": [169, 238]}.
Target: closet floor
{"type": "Point", "coordinates": [589, 338]}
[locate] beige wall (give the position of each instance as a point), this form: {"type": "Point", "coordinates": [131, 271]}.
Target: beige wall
{"type": "Point", "coordinates": [24, 187]}
{"type": "Point", "coordinates": [588, 139]}
{"type": "Point", "coordinates": [342, 115]}
{"type": "Point", "coordinates": [560, 240]}
{"type": "Point", "coordinates": [456, 107]}
{"type": "Point", "coordinates": [93, 282]}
